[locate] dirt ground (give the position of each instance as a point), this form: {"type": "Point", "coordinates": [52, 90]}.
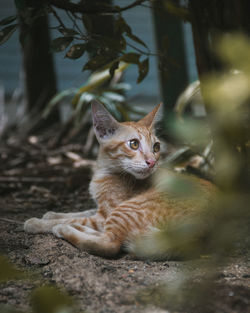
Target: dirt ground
{"type": "Point", "coordinates": [34, 180]}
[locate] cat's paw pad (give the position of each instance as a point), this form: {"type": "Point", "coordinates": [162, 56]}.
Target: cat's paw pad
{"type": "Point", "coordinates": [57, 230]}
{"type": "Point", "coordinates": [32, 225]}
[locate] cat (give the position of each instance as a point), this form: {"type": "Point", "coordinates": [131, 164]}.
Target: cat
{"type": "Point", "coordinates": [128, 201]}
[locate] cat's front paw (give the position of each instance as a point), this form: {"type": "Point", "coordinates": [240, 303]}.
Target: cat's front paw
{"type": "Point", "coordinates": [57, 230]}
{"type": "Point", "coordinates": [32, 225]}
{"type": "Point", "coordinates": [49, 215]}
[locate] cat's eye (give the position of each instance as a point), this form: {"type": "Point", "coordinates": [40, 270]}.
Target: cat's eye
{"type": "Point", "coordinates": [134, 144]}
{"type": "Point", "coordinates": [156, 147]}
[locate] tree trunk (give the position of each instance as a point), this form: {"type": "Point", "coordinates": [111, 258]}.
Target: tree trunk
{"type": "Point", "coordinates": [173, 72]}
{"type": "Point", "coordinates": [40, 79]}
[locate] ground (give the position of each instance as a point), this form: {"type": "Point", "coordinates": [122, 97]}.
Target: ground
{"type": "Point", "coordinates": [34, 180]}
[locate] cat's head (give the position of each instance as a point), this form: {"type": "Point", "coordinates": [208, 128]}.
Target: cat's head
{"type": "Point", "coordinates": [128, 147]}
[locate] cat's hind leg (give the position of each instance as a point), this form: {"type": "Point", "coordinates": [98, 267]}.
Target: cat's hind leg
{"type": "Point", "coordinates": [85, 238]}
{"type": "Point", "coordinates": [54, 215]}
{"type": "Point", "coordinates": [123, 221]}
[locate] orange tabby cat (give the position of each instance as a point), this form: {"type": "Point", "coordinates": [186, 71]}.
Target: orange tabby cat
{"type": "Point", "coordinates": [128, 202]}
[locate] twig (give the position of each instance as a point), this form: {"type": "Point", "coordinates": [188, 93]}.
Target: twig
{"type": "Point", "coordinates": [10, 220]}
{"type": "Point", "coordinates": [141, 51]}
{"type": "Point", "coordinates": [80, 8]}
{"type": "Point", "coordinates": [75, 24]}
{"type": "Point", "coordinates": [146, 6]}
{"type": "Point", "coordinates": [14, 179]}
{"type": "Point", "coordinates": [58, 18]}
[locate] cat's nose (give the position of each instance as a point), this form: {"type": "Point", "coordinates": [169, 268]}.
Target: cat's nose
{"type": "Point", "coordinates": [150, 163]}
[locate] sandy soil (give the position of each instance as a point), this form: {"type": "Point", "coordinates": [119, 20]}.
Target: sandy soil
{"type": "Point", "coordinates": [32, 183]}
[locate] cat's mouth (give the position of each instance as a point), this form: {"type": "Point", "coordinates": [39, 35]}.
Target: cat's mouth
{"type": "Point", "coordinates": [142, 173]}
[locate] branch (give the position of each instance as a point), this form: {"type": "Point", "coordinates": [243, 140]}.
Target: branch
{"type": "Point", "coordinates": [73, 20]}
{"type": "Point", "coordinates": [80, 8]}
{"type": "Point", "coordinates": [8, 220]}
{"type": "Point", "coordinates": [58, 18]}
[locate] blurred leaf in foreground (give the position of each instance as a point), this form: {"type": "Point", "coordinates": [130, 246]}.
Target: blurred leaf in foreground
{"type": "Point", "coordinates": [227, 95]}
{"type": "Point", "coordinates": [50, 300]}
{"type": "Point", "coordinates": [5, 33]}
{"type": "Point", "coordinates": [222, 228]}
{"type": "Point", "coordinates": [8, 271]}
{"type": "Point", "coordinates": [234, 51]}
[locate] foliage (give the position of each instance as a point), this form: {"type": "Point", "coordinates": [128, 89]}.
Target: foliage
{"type": "Point", "coordinates": [108, 55]}
{"type": "Point", "coordinates": [76, 37]}
{"type": "Point", "coordinates": [228, 97]}
{"type": "Point", "coordinates": [45, 298]}
{"type": "Point", "coordinates": [79, 39]}
{"type": "Point", "coordinates": [51, 300]}
{"type": "Point", "coordinates": [8, 271]}
{"type": "Point", "coordinates": [223, 227]}
{"type": "Point", "coordinates": [111, 95]}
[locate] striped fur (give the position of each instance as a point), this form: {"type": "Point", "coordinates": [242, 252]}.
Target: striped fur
{"type": "Point", "coordinates": [129, 202]}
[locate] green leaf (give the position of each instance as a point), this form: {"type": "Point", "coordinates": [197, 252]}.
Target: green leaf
{"type": "Point", "coordinates": [76, 51]}
{"type": "Point", "coordinates": [114, 66]}
{"type": "Point", "coordinates": [57, 98]}
{"type": "Point", "coordinates": [179, 156]}
{"type": "Point", "coordinates": [110, 106]}
{"type": "Point", "coordinates": [61, 43]}
{"type": "Point", "coordinates": [121, 26]}
{"type": "Point", "coordinates": [86, 97]}
{"type": "Point", "coordinates": [113, 96]}
{"type": "Point", "coordinates": [6, 33]}
{"type": "Point", "coordinates": [8, 271]}
{"type": "Point", "coordinates": [68, 32]}
{"type": "Point", "coordinates": [82, 106]}
{"type": "Point", "coordinates": [117, 44]}
{"type": "Point", "coordinates": [121, 87]}
{"type": "Point", "coordinates": [97, 79]}
{"type": "Point", "coordinates": [95, 63]}
{"type": "Point", "coordinates": [131, 57]}
{"type": "Point", "coordinates": [136, 39]}
{"type": "Point", "coordinates": [8, 20]}
{"type": "Point", "coordinates": [143, 70]}
{"type": "Point", "coordinates": [50, 300]}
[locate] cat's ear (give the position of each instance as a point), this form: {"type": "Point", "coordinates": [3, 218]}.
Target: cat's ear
{"type": "Point", "coordinates": [151, 118]}
{"type": "Point", "coordinates": [105, 125]}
